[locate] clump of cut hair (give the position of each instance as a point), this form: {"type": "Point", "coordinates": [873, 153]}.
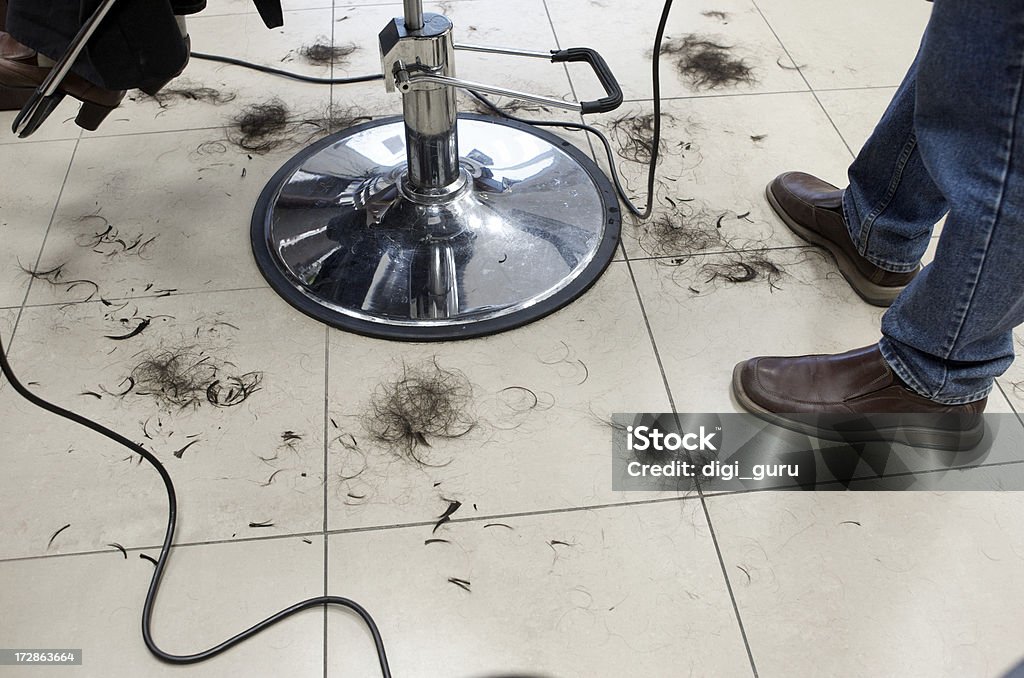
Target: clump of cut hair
{"type": "Point", "coordinates": [685, 229]}
{"type": "Point", "coordinates": [185, 90]}
{"type": "Point", "coordinates": [420, 405]}
{"type": "Point", "coordinates": [706, 63]}
{"type": "Point", "coordinates": [743, 268]}
{"type": "Point", "coordinates": [323, 53]}
{"type": "Point", "coordinates": [478, 104]}
{"type": "Point", "coordinates": [270, 125]}
{"type": "Point", "coordinates": [55, 278]}
{"type": "Point", "coordinates": [186, 376]}
{"type": "Point", "coordinates": [633, 135]}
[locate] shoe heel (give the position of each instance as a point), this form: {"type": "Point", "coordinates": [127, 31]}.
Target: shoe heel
{"type": "Point", "coordinates": [90, 115]}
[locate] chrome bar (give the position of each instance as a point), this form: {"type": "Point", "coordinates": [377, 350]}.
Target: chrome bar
{"type": "Point", "coordinates": [503, 50]}
{"type": "Point", "coordinates": [414, 15]}
{"type": "Point", "coordinates": [415, 77]}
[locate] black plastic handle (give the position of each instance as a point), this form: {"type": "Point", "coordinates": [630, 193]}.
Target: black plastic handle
{"type": "Point", "coordinates": [603, 73]}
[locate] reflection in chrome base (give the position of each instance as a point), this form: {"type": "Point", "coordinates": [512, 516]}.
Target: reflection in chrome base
{"type": "Point", "coordinates": [527, 227]}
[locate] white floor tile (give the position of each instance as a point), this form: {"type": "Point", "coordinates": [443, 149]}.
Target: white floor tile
{"type": "Point", "coordinates": [625, 40]}
{"type": "Point", "coordinates": [583, 364]}
{"type": "Point", "coordinates": [182, 214]}
{"type": "Point", "coordinates": [209, 593]}
{"type": "Point", "coordinates": [630, 592]}
{"type": "Point", "coordinates": [1012, 382]}
{"type": "Point", "coordinates": [808, 309]}
{"type": "Point", "coordinates": [27, 200]}
{"type": "Point", "coordinates": [859, 584]}
{"type": "Point", "coordinates": [718, 154]}
{"type": "Point", "coordinates": [849, 44]}
{"type": "Point", "coordinates": [225, 480]}
{"type": "Point", "coordinates": [856, 112]}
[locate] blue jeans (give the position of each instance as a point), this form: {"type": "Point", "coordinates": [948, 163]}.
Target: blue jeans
{"type": "Point", "coordinates": [951, 143]}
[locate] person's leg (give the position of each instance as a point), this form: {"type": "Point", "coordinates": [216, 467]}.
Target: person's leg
{"type": "Point", "coordinates": [878, 228]}
{"type": "Point", "coordinates": [950, 333]}
{"type": "Point", "coordinates": [892, 203]}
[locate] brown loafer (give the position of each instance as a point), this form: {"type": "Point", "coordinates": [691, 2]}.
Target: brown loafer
{"type": "Point", "coordinates": [853, 397]}
{"type": "Point", "coordinates": [12, 99]}
{"type": "Point", "coordinates": [813, 209]}
{"type": "Point", "coordinates": [21, 74]}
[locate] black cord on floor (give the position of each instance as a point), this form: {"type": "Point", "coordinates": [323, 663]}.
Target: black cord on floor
{"type": "Point", "coordinates": [172, 501]}
{"type": "Point", "coordinates": [285, 74]}
{"type": "Point", "coordinates": [648, 208]}
{"type": "Point", "coordinates": [165, 549]}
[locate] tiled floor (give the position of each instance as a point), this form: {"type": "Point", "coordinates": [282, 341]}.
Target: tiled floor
{"type": "Point", "coordinates": [567, 578]}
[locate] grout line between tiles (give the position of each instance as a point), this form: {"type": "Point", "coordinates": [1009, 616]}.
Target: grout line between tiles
{"type": "Point", "coordinates": [707, 253]}
{"type": "Point", "coordinates": [327, 375]}
{"type": "Point", "coordinates": [700, 493]}
{"type": "Point", "coordinates": [500, 516]}
{"type": "Point", "coordinates": [804, 78]}
{"type": "Point", "coordinates": [733, 95]}
{"type": "Point", "coordinates": [723, 95]}
{"type": "Point", "coordinates": [42, 246]}
{"type": "Point", "coordinates": [378, 528]}
{"type": "Point", "coordinates": [650, 332]}
{"type": "Point", "coordinates": [1013, 405]}
{"type": "Point", "coordinates": [728, 584]}
{"type": "Point", "coordinates": [62, 304]}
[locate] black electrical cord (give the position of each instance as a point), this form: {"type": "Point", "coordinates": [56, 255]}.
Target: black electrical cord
{"type": "Point", "coordinates": [165, 549]}
{"type": "Point", "coordinates": [644, 213]}
{"type": "Point", "coordinates": [172, 501]}
{"type": "Point", "coordinates": [285, 74]}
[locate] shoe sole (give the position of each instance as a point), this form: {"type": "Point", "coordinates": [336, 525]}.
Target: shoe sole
{"type": "Point", "coordinates": [914, 436]}
{"type": "Point", "coordinates": [873, 293]}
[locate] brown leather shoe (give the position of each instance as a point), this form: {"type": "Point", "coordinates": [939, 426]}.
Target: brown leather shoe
{"type": "Point", "coordinates": [20, 74]}
{"type": "Point", "coordinates": [813, 209]}
{"type": "Point", "coordinates": [13, 99]}
{"type": "Point", "coordinates": [853, 397]}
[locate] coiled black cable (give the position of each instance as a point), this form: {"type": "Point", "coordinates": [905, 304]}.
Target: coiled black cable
{"type": "Point", "coordinates": [172, 501]}
{"type": "Point", "coordinates": [165, 549]}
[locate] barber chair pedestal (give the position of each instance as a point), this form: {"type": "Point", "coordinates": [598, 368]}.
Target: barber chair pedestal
{"type": "Point", "coordinates": [434, 225]}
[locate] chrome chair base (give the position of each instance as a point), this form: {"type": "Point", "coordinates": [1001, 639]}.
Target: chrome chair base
{"type": "Point", "coordinates": [528, 226]}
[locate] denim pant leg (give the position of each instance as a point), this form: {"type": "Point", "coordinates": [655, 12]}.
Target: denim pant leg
{"type": "Point", "coordinates": [950, 333]}
{"type": "Point", "coordinates": [892, 204]}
